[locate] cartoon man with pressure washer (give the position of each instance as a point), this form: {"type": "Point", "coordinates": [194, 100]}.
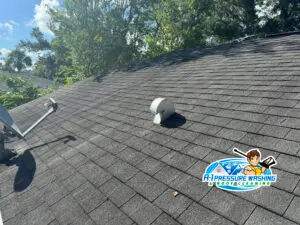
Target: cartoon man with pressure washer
{"type": "Point", "coordinates": [255, 167]}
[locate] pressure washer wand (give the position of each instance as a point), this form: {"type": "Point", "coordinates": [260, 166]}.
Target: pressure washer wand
{"type": "Point", "coordinates": [236, 150]}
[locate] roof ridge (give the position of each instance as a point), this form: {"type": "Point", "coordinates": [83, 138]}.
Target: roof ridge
{"type": "Point", "coordinates": [186, 53]}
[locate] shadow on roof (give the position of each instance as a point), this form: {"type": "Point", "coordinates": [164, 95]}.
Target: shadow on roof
{"type": "Point", "coordinates": [27, 166]}
{"type": "Point", "coordinates": [65, 140]}
{"type": "Point", "coordinates": [26, 170]}
{"type": "Point", "coordinates": [176, 120]}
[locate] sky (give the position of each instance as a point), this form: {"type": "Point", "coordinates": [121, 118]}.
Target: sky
{"type": "Point", "coordinates": [18, 17]}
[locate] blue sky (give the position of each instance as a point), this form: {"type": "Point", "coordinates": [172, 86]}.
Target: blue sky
{"type": "Point", "coordinates": [18, 17]}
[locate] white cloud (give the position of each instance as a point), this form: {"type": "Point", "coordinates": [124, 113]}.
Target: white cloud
{"type": "Point", "coordinates": [4, 51]}
{"type": "Point", "coordinates": [42, 17]}
{"type": "Point", "coordinates": [13, 22]}
{"type": "Point", "coordinates": [7, 26]}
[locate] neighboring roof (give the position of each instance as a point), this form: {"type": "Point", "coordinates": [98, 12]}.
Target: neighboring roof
{"type": "Point", "coordinates": [38, 81]}
{"type": "Point", "coordinates": [101, 160]}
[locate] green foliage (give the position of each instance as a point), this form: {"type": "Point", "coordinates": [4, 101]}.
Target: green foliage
{"type": "Point", "coordinates": [16, 61]}
{"type": "Point", "coordinates": [99, 36]}
{"type": "Point", "coordinates": [40, 44]}
{"type": "Point", "coordinates": [43, 92]}
{"type": "Point", "coordinates": [15, 83]}
{"type": "Point", "coordinates": [21, 90]}
{"type": "Point", "coordinates": [190, 23]}
{"type": "Point", "coordinates": [70, 74]}
{"type": "Point", "coordinates": [96, 34]}
{"type": "Point", "coordinates": [11, 100]}
{"type": "Point", "coordinates": [281, 16]}
{"type": "Point", "coordinates": [45, 67]}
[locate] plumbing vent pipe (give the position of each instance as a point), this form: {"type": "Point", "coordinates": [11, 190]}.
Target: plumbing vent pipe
{"type": "Point", "coordinates": [162, 109]}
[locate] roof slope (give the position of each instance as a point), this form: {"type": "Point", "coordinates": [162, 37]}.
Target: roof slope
{"type": "Point", "coordinates": [100, 160]}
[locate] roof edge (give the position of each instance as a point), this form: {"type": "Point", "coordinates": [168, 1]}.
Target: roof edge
{"type": "Point", "coordinates": [297, 32]}
{"type": "Point", "coordinates": [161, 58]}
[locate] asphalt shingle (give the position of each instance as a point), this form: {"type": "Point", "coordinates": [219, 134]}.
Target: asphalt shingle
{"type": "Point", "coordinates": [106, 160]}
{"type": "Point", "coordinates": [117, 192]}
{"type": "Point", "coordinates": [167, 174]}
{"type": "Point", "coordinates": [132, 156]}
{"type": "Point", "coordinates": [190, 186]}
{"type": "Point", "coordinates": [228, 205]}
{"type": "Point", "coordinates": [108, 214]}
{"type": "Point", "coordinates": [293, 210]}
{"type": "Point", "coordinates": [68, 211]}
{"type": "Point", "coordinates": [198, 215]}
{"type": "Point", "coordinates": [41, 215]}
{"type": "Point", "coordinates": [54, 192]}
{"type": "Point", "coordinates": [198, 169]}
{"type": "Point", "coordinates": [265, 217]}
{"type": "Point", "coordinates": [100, 159]}
{"type": "Point", "coordinates": [204, 128]}
{"type": "Point", "coordinates": [231, 134]}
{"type": "Point", "coordinates": [178, 160]}
{"type": "Point", "coordinates": [150, 166]}
{"type": "Point", "coordinates": [122, 170]}
{"type": "Point", "coordinates": [173, 205]}
{"type": "Point", "coordinates": [164, 219]}
{"type": "Point", "coordinates": [146, 186]}
{"type": "Point", "coordinates": [74, 181]}
{"type": "Point", "coordinates": [88, 197]}
{"type": "Point", "coordinates": [285, 180]}
{"type": "Point", "coordinates": [94, 173]}
{"type": "Point", "coordinates": [289, 163]}
{"type": "Point", "coordinates": [265, 196]}
{"type": "Point", "coordinates": [274, 131]}
{"type": "Point", "coordinates": [141, 210]}
{"type": "Point", "coordinates": [197, 151]}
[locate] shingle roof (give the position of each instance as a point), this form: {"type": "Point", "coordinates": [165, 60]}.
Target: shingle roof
{"type": "Point", "coordinates": [101, 160]}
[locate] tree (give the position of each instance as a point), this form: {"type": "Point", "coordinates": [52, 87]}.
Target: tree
{"type": "Point", "coordinates": [250, 18]}
{"type": "Point", "coordinates": [290, 14]}
{"type": "Point", "coordinates": [101, 35]}
{"type": "Point", "coordinates": [1, 59]}
{"type": "Point", "coordinates": [21, 90]}
{"type": "Point", "coordinates": [281, 16]}
{"type": "Point", "coordinates": [190, 23]}
{"type": "Point", "coordinates": [17, 60]}
{"type": "Point", "coordinates": [45, 67]}
{"type": "Point", "coordinates": [41, 44]}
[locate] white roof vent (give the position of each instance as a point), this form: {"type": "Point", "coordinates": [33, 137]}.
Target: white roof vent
{"type": "Point", "coordinates": [162, 108]}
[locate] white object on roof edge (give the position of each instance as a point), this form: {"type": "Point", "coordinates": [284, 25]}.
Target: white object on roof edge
{"type": "Point", "coordinates": [162, 108]}
{"type": "Point", "coordinates": [1, 221]}
{"type": "Point", "coordinates": [7, 120]}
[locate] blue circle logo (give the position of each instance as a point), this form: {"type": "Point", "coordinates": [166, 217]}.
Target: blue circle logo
{"type": "Point", "coordinates": [228, 174]}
